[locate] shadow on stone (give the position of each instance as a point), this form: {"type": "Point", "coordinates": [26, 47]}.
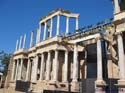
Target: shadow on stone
{"type": "Point", "coordinates": [22, 86]}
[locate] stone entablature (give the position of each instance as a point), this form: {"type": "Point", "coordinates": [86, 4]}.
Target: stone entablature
{"type": "Point", "coordinates": [22, 53]}
{"type": "Point", "coordinates": [119, 21]}
{"type": "Point", "coordinates": [119, 16]}
{"type": "Point", "coordinates": [58, 12]}
{"type": "Point", "coordinates": [85, 39]}
{"type": "Point", "coordinates": [49, 41]}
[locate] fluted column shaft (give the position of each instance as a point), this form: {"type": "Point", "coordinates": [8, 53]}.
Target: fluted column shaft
{"type": "Point", "coordinates": [35, 68]}
{"type": "Point", "coordinates": [42, 67]}
{"type": "Point", "coordinates": [66, 67]}
{"type": "Point", "coordinates": [77, 23]}
{"type": "Point", "coordinates": [32, 39]}
{"type": "Point", "coordinates": [24, 42]}
{"type": "Point", "coordinates": [121, 56]}
{"type": "Point", "coordinates": [39, 33]}
{"type": "Point", "coordinates": [28, 70]}
{"type": "Point", "coordinates": [56, 70]}
{"type": "Point", "coordinates": [58, 25]}
{"type": "Point", "coordinates": [45, 26]}
{"type": "Point", "coordinates": [51, 27]}
{"type": "Point", "coordinates": [99, 60]}
{"type": "Point", "coordinates": [17, 43]}
{"type": "Point", "coordinates": [48, 66]}
{"type": "Point", "coordinates": [67, 25]}
{"type": "Point", "coordinates": [17, 65]}
{"type": "Point", "coordinates": [20, 70]}
{"type": "Point", "coordinates": [75, 64]}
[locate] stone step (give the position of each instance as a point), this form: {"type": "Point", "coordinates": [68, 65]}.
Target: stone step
{"type": "Point", "coordinates": [8, 91]}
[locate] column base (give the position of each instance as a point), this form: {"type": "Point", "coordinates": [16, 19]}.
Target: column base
{"type": "Point", "coordinates": [100, 86]}
{"type": "Point", "coordinates": [121, 82]}
{"type": "Point", "coordinates": [33, 81]}
{"type": "Point", "coordinates": [65, 81]}
{"type": "Point", "coordinates": [12, 85]}
{"type": "Point", "coordinates": [121, 86]}
{"type": "Point", "coordinates": [12, 81]}
{"type": "Point", "coordinates": [75, 86]}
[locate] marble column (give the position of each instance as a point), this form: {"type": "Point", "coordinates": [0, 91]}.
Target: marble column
{"type": "Point", "coordinates": [20, 45]}
{"type": "Point", "coordinates": [13, 71]}
{"type": "Point", "coordinates": [32, 39]}
{"type": "Point", "coordinates": [75, 63]}
{"type": "Point", "coordinates": [42, 67]}
{"type": "Point", "coordinates": [48, 66]}
{"type": "Point", "coordinates": [67, 25]}
{"type": "Point", "coordinates": [17, 43]}
{"type": "Point", "coordinates": [51, 27]}
{"type": "Point", "coordinates": [17, 65]}
{"type": "Point", "coordinates": [45, 27]}
{"type": "Point", "coordinates": [24, 42]}
{"type": "Point", "coordinates": [77, 23]}
{"type": "Point", "coordinates": [28, 70]}
{"type": "Point", "coordinates": [100, 84]}
{"type": "Point", "coordinates": [56, 63]}
{"type": "Point", "coordinates": [99, 60]}
{"type": "Point", "coordinates": [39, 34]}
{"type": "Point", "coordinates": [20, 69]}
{"type": "Point", "coordinates": [121, 57]}
{"type": "Point", "coordinates": [35, 68]}
{"type": "Point", "coordinates": [116, 6]}
{"type": "Point", "coordinates": [58, 25]}
{"type": "Point", "coordinates": [66, 67]}
{"type": "Point", "coordinates": [85, 60]}
{"type": "Point", "coordinates": [32, 68]}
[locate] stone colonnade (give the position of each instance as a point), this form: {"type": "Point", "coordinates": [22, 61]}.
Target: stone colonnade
{"type": "Point", "coordinates": [17, 69]}
{"type": "Point", "coordinates": [50, 27]}
{"type": "Point", "coordinates": [32, 67]}
{"type": "Point", "coordinates": [48, 23]}
{"type": "Point", "coordinates": [45, 70]}
{"type": "Point", "coordinates": [35, 61]}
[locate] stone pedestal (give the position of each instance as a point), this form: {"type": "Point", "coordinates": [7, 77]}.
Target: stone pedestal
{"type": "Point", "coordinates": [100, 86]}
{"type": "Point", "coordinates": [12, 85]}
{"type": "Point", "coordinates": [121, 86]}
{"type": "Point", "coordinates": [75, 87]}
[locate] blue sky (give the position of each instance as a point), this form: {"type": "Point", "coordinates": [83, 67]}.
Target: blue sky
{"type": "Point", "coordinates": [18, 17]}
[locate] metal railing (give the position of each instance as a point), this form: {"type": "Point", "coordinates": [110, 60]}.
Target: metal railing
{"type": "Point", "coordinates": [89, 30]}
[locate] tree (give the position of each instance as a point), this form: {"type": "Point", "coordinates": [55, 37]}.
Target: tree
{"type": "Point", "coordinates": [5, 59]}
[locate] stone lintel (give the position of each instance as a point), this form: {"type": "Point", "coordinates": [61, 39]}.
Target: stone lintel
{"type": "Point", "coordinates": [58, 12]}
{"type": "Point", "coordinates": [119, 18]}
{"type": "Point", "coordinates": [90, 37]}
{"type": "Point", "coordinates": [21, 51]}
{"type": "Point", "coordinates": [51, 40]}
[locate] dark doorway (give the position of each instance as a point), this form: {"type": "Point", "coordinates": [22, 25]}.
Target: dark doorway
{"type": "Point", "coordinates": [91, 61]}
